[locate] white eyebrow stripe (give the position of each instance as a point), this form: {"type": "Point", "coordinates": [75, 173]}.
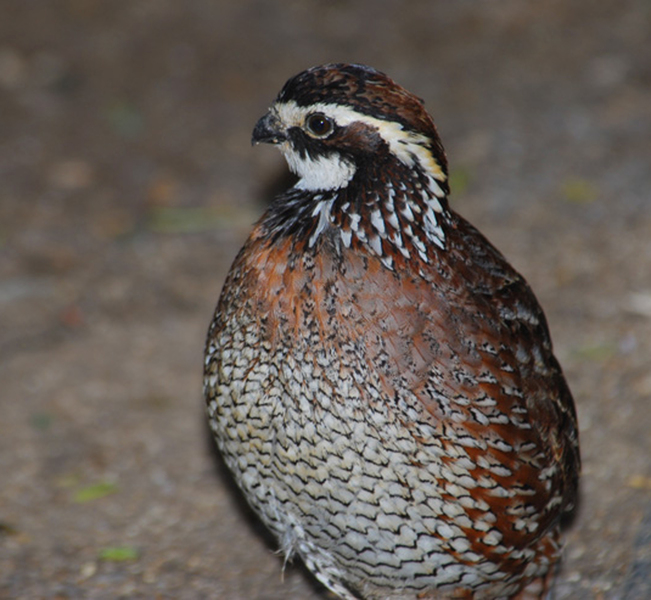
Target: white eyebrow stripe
{"type": "Point", "coordinates": [406, 145]}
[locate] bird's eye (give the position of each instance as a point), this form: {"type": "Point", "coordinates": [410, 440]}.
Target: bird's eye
{"type": "Point", "coordinates": [319, 125]}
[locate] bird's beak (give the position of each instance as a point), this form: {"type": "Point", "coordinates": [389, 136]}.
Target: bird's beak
{"type": "Point", "coordinates": [268, 130]}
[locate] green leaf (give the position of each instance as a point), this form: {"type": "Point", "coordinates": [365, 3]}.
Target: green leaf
{"type": "Point", "coordinates": [579, 191]}
{"type": "Point", "coordinates": [185, 220]}
{"type": "Point", "coordinates": [41, 421]}
{"type": "Point", "coordinates": [118, 553]}
{"type": "Point", "coordinates": [125, 119]}
{"type": "Point", "coordinates": [95, 491]}
{"type": "Point", "coordinates": [595, 352]}
{"type": "Point", "coordinates": [7, 529]}
{"type": "Point", "coordinates": [459, 180]}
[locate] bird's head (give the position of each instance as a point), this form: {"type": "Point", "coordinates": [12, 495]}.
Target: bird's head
{"type": "Point", "coordinates": [336, 121]}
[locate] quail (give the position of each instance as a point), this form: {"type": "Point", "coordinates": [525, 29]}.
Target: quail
{"type": "Point", "coordinates": [378, 378]}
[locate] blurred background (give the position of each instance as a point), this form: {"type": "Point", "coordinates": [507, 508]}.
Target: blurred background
{"type": "Point", "coordinates": [128, 183]}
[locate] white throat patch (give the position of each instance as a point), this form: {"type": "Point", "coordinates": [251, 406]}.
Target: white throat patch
{"type": "Point", "coordinates": [323, 173]}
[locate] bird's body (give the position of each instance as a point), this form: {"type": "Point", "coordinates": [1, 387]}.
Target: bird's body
{"type": "Point", "coordinates": [379, 380]}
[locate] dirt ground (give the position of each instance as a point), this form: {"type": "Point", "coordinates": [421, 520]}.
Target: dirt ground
{"type": "Point", "coordinates": [127, 184]}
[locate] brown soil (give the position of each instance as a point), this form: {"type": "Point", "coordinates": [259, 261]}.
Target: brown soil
{"type": "Point", "coordinates": [128, 184]}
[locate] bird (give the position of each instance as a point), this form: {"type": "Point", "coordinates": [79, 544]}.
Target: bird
{"type": "Point", "coordinates": [379, 380]}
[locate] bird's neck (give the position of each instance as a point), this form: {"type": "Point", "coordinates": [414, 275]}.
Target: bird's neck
{"type": "Point", "coordinates": [393, 217]}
